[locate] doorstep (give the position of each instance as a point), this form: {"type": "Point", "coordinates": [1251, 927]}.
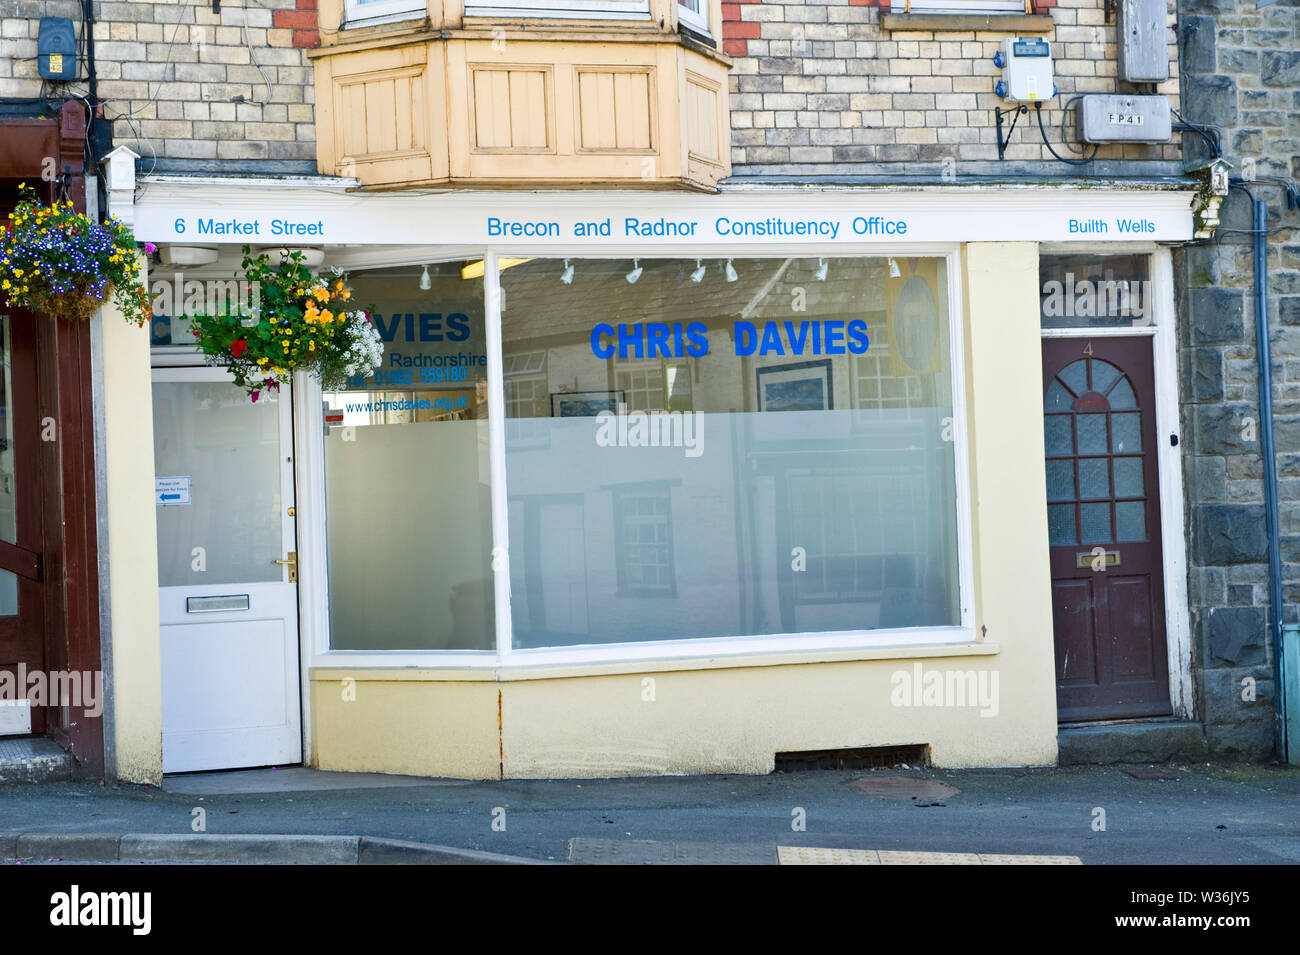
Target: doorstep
{"type": "Point", "coordinates": [1130, 741]}
{"type": "Point", "coordinates": [33, 759]}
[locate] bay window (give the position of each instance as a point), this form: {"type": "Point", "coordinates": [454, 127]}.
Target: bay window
{"type": "Point", "coordinates": [562, 9]}
{"type": "Point", "coordinates": [363, 12]}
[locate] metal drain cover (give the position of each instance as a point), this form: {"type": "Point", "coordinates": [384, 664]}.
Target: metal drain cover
{"type": "Point", "coordinates": [891, 786]}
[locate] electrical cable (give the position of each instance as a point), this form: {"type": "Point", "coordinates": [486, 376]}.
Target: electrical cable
{"type": "Point", "coordinates": [1065, 110]}
{"type": "Point", "coordinates": [1213, 140]}
{"type": "Point", "coordinates": [1038, 108]}
{"type": "Point", "coordinates": [253, 56]}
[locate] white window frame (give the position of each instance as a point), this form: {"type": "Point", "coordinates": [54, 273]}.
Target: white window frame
{"type": "Point", "coordinates": [777, 647]}
{"type": "Point", "coordinates": [563, 9]}
{"type": "Point", "coordinates": [958, 7]}
{"type": "Point", "coordinates": [359, 14]}
{"type": "Point", "coordinates": [693, 19]}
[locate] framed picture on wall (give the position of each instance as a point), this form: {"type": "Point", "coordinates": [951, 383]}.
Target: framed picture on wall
{"type": "Point", "coordinates": [804, 386]}
{"type": "Point", "coordinates": [584, 404]}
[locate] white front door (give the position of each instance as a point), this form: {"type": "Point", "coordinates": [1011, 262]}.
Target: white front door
{"type": "Point", "coordinates": [229, 602]}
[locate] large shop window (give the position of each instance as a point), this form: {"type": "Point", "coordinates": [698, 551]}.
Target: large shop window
{"type": "Point", "coordinates": [692, 449]}
{"type": "Point", "coordinates": [727, 448]}
{"type": "Point", "coordinates": [407, 489]}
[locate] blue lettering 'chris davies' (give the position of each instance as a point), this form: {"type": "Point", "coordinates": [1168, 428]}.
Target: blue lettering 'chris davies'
{"type": "Point", "coordinates": [678, 340]}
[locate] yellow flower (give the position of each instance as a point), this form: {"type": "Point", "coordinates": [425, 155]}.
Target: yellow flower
{"type": "Point", "coordinates": [263, 360]}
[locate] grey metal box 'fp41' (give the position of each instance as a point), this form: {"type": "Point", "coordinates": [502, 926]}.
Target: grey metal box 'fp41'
{"type": "Point", "coordinates": [1117, 118]}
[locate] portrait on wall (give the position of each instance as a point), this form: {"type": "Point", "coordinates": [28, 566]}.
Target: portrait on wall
{"type": "Point", "coordinates": [913, 309]}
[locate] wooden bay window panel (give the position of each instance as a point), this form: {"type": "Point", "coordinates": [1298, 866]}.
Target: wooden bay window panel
{"type": "Point", "coordinates": [511, 108]}
{"type": "Point", "coordinates": [402, 110]}
{"type": "Point", "coordinates": [704, 105]}
{"type": "Point", "coordinates": [380, 111]}
{"type": "Point", "coordinates": [615, 109]}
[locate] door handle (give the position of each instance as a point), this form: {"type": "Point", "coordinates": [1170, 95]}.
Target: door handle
{"type": "Point", "coordinates": [292, 561]}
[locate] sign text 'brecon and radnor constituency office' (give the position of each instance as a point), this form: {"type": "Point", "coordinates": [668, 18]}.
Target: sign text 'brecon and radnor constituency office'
{"type": "Point", "coordinates": [514, 220]}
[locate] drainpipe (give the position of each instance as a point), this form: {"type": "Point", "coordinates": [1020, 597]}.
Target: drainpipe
{"type": "Point", "coordinates": [1265, 371]}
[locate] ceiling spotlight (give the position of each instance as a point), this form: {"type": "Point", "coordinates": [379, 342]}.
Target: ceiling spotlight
{"type": "Point", "coordinates": [698, 275]}
{"type": "Point", "coordinates": [425, 283]}
{"type": "Point", "coordinates": [822, 268]}
{"type": "Point", "coordinates": [567, 275]}
{"type": "Point", "coordinates": [635, 273]}
{"type": "Point", "coordinates": [893, 270]}
{"type": "Point", "coordinates": [730, 271]}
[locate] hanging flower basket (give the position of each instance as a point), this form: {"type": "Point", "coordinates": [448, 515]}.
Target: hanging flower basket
{"type": "Point", "coordinates": [286, 319]}
{"type": "Point", "coordinates": [76, 304]}
{"type": "Point", "coordinates": [56, 260]}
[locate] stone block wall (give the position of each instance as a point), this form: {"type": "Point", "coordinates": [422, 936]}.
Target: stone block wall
{"type": "Point", "coordinates": [186, 88]}
{"type": "Point", "coordinates": [1241, 72]}
{"type": "Point", "coordinates": [829, 86]}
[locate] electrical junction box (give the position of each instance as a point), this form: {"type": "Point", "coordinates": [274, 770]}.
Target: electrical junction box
{"type": "Point", "coordinates": [56, 49]}
{"type": "Point", "coordinates": [1026, 70]}
{"type": "Point", "coordinates": [1112, 118]}
{"type": "Point", "coordinates": [1143, 41]}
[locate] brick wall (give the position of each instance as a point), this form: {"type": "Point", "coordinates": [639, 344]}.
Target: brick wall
{"type": "Point", "coordinates": [1242, 71]}
{"type": "Point", "coordinates": [822, 84]}
{"type": "Point", "coordinates": [184, 87]}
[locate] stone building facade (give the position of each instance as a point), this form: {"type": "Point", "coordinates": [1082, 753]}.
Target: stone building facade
{"type": "Point", "coordinates": [1241, 69]}
{"type": "Point", "coordinates": [855, 92]}
{"type": "Point", "coordinates": [187, 88]}
{"type": "Point", "coordinates": [849, 89]}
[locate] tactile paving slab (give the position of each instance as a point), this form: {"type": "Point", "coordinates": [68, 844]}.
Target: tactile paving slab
{"type": "Point", "coordinates": [812, 855]}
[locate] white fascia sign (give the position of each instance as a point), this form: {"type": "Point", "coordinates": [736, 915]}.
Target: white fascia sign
{"type": "Point", "coordinates": [263, 215]}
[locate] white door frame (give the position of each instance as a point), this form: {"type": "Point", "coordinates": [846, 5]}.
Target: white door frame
{"type": "Point", "coordinates": [183, 365]}
{"type": "Point", "coordinates": [1163, 331]}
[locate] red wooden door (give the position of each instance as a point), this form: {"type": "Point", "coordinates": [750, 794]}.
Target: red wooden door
{"type": "Point", "coordinates": [1104, 528]}
{"type": "Point", "coordinates": [22, 638]}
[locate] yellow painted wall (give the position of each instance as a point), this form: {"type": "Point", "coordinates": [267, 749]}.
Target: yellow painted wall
{"type": "Point", "coordinates": [734, 718]}
{"type": "Point", "coordinates": [132, 556]}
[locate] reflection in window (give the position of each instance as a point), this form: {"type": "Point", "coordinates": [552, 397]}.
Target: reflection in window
{"type": "Point", "coordinates": [643, 519]}
{"type": "Point", "coordinates": [715, 464]}
{"type": "Point", "coordinates": [1079, 290]}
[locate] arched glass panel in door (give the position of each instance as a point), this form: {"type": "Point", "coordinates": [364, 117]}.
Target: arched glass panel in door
{"type": "Point", "coordinates": [1092, 429]}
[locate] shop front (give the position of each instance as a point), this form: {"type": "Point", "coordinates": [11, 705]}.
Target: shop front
{"type": "Point", "coordinates": [654, 483]}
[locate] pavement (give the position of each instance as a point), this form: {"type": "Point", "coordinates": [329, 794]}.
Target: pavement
{"type": "Point", "coordinates": [1149, 814]}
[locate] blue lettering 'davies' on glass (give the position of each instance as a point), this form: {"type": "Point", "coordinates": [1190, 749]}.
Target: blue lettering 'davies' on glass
{"type": "Point", "coordinates": [662, 340]}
